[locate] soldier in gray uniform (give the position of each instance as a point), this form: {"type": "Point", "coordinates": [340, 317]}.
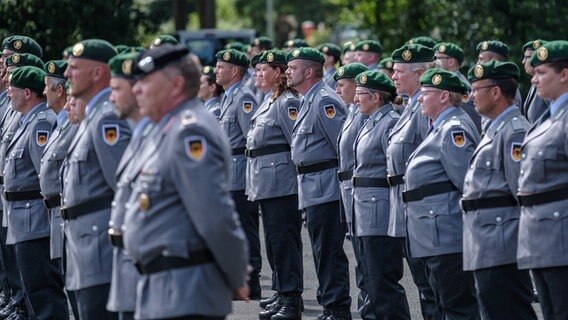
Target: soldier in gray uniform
{"type": "Point", "coordinates": [434, 183]}
{"type": "Point", "coordinates": [543, 194]}
{"type": "Point", "coordinates": [491, 213]}
{"type": "Point", "coordinates": [410, 62]}
{"type": "Point", "coordinates": [345, 77]}
{"type": "Point", "coordinates": [534, 106]}
{"type": "Point", "coordinates": [271, 180]}
{"type": "Point", "coordinates": [88, 179]}
{"type": "Point", "coordinates": [210, 91]}
{"type": "Point", "coordinates": [348, 54]}
{"type": "Point", "coordinates": [314, 152]}
{"type": "Point", "coordinates": [28, 222]}
{"type": "Point", "coordinates": [122, 296]}
{"type": "Point", "coordinates": [237, 108]}
{"type": "Point", "coordinates": [380, 255]}
{"type": "Point", "coordinates": [332, 55]}
{"type": "Point", "coordinates": [426, 41]}
{"type": "Point", "coordinates": [259, 93]}
{"type": "Point", "coordinates": [369, 53]}
{"type": "Point", "coordinates": [191, 261]}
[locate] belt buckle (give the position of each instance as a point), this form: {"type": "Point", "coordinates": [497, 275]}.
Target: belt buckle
{"type": "Point", "coordinates": [247, 153]}
{"type": "Point", "coordinates": [45, 202]}
{"type": "Point", "coordinates": [461, 205]}
{"type": "Point", "coordinates": [64, 213]}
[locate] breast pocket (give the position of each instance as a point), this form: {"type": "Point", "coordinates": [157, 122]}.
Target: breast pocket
{"type": "Point", "coordinates": [266, 126]}
{"type": "Point", "coordinates": [305, 137]}
{"type": "Point", "coordinates": [485, 169]}
{"type": "Point", "coordinates": [17, 165]}
{"type": "Point", "coordinates": [497, 231]}
{"type": "Point", "coordinates": [228, 124]}
{"type": "Point", "coordinates": [438, 223]}
{"type": "Point", "coordinates": [55, 160]}
{"type": "Point", "coordinates": [148, 187]}
{"type": "Point", "coordinates": [79, 163]}
{"type": "Point", "coordinates": [371, 209]}
{"type": "Point", "coordinates": [540, 160]}
{"type": "Point", "coordinates": [403, 146]}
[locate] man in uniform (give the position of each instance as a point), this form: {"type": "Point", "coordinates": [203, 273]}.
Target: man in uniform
{"type": "Point", "coordinates": [423, 40]}
{"type": "Point", "coordinates": [349, 54]}
{"type": "Point", "coordinates": [386, 65]}
{"type": "Point", "coordinates": [491, 212]}
{"type": "Point", "coordinates": [88, 179]}
{"type": "Point", "coordinates": [237, 107]}
{"type": "Point", "coordinates": [369, 53]}
{"type": "Point", "coordinates": [332, 55]}
{"type": "Point", "coordinates": [534, 106]}
{"type": "Point", "coordinates": [259, 45]}
{"type": "Point", "coordinates": [410, 62]}
{"type": "Point", "coordinates": [294, 44]}
{"type": "Point", "coordinates": [314, 151]}
{"type": "Point", "coordinates": [181, 202]}
{"type": "Point", "coordinates": [28, 223]}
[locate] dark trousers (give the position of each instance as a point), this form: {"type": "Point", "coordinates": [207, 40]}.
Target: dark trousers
{"type": "Point", "coordinates": [504, 292]}
{"type": "Point", "coordinates": [17, 292]}
{"type": "Point", "coordinates": [282, 225]}
{"type": "Point", "coordinates": [92, 301]}
{"type": "Point", "coordinates": [364, 306]}
{"type": "Point", "coordinates": [126, 316]}
{"type": "Point", "coordinates": [248, 214]}
{"type": "Point", "coordinates": [73, 302]}
{"type": "Point", "coordinates": [381, 262]}
{"type": "Point", "coordinates": [428, 307]}
{"type": "Point", "coordinates": [552, 287]}
{"type": "Point", "coordinates": [42, 279]}
{"type": "Point", "coordinates": [453, 288]}
{"type": "Point", "coordinates": [332, 267]}
{"type": "Point", "coordinates": [3, 281]}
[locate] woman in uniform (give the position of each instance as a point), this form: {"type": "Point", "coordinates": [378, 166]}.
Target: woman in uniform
{"type": "Point", "coordinates": [271, 179]}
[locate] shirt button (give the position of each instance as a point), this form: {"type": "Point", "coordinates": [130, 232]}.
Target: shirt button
{"type": "Point", "coordinates": [498, 219]}
{"type": "Point", "coordinates": [471, 167]}
{"type": "Point", "coordinates": [39, 176]}
{"type": "Point", "coordinates": [27, 205]}
{"type": "Point", "coordinates": [41, 161]}
{"type": "Point", "coordinates": [556, 214]}
{"type": "Point", "coordinates": [234, 159]}
{"type": "Point", "coordinates": [540, 153]}
{"type": "Point", "coordinates": [522, 171]}
{"type": "Point", "coordinates": [488, 163]}
{"type": "Point", "coordinates": [123, 228]}
{"type": "Point", "coordinates": [165, 252]}
{"type": "Point", "coordinates": [250, 161]}
{"type": "Point", "coordinates": [95, 228]}
{"type": "Point", "coordinates": [111, 223]}
{"type": "Point", "coordinates": [76, 154]}
{"type": "Point", "coordinates": [272, 164]}
{"type": "Point", "coordinates": [400, 139]}
{"type": "Point", "coordinates": [524, 155]}
{"type": "Point", "coordinates": [431, 212]}
{"type": "Point", "coordinates": [373, 199]}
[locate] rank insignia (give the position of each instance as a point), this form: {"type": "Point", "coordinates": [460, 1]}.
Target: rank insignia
{"type": "Point", "coordinates": [247, 106]}
{"type": "Point", "coordinates": [516, 151]}
{"type": "Point", "coordinates": [292, 113]}
{"type": "Point", "coordinates": [144, 202]}
{"type": "Point", "coordinates": [458, 138]}
{"type": "Point", "coordinates": [111, 134]}
{"type": "Point", "coordinates": [41, 137]}
{"type": "Point", "coordinates": [330, 111]}
{"type": "Point", "coordinates": [195, 147]}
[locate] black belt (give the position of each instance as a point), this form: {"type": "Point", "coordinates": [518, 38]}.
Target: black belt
{"type": "Point", "coordinates": [428, 190]}
{"type": "Point", "coordinates": [489, 202]}
{"type": "Point", "coordinates": [238, 151]}
{"type": "Point", "coordinates": [544, 197]}
{"type": "Point", "coordinates": [345, 175]}
{"type": "Point", "coordinates": [167, 263]}
{"type": "Point", "coordinates": [317, 167]}
{"type": "Point", "coordinates": [361, 182]}
{"type": "Point", "coordinates": [115, 238]}
{"type": "Point", "coordinates": [85, 208]}
{"type": "Point", "coordinates": [2, 180]}
{"type": "Point", "coordinates": [395, 180]}
{"type": "Point", "coordinates": [52, 202]}
{"type": "Point", "coordinates": [23, 195]}
{"type": "Point", "coordinates": [275, 148]}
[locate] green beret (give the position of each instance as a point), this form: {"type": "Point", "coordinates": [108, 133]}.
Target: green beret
{"type": "Point", "coordinates": [386, 63]}
{"type": "Point", "coordinates": [450, 49]}
{"type": "Point", "coordinates": [237, 45]}
{"type": "Point", "coordinates": [493, 70]}
{"type": "Point", "coordinates": [276, 57]}
{"type": "Point", "coordinates": [94, 49]}
{"type": "Point", "coordinates": [163, 39]}
{"type": "Point", "coordinates": [423, 40]}
{"type": "Point", "coordinates": [349, 71]}
{"type": "Point", "coordinates": [233, 56]}
{"type": "Point", "coordinates": [255, 60]}
{"type": "Point", "coordinates": [67, 52]}
{"type": "Point", "coordinates": [23, 59]}
{"type": "Point", "coordinates": [369, 46]}
{"type": "Point", "coordinates": [6, 40]}
{"type": "Point", "coordinates": [209, 72]}
{"type": "Point", "coordinates": [55, 68]}
{"type": "Point", "coordinates": [493, 46]}
{"type": "Point", "coordinates": [28, 77]}
{"type": "Point", "coordinates": [349, 46]}
{"type": "Point", "coordinates": [247, 48]}
{"type": "Point", "coordinates": [157, 58]}
{"type": "Point", "coordinates": [305, 53]}
{"type": "Point", "coordinates": [551, 51]}
{"type": "Point", "coordinates": [412, 53]}
{"type": "Point", "coordinates": [533, 45]}
{"type": "Point", "coordinates": [121, 64]}
{"type": "Point", "coordinates": [121, 47]}
{"type": "Point", "coordinates": [264, 43]}
{"type": "Point", "coordinates": [376, 80]}
{"type": "Point", "coordinates": [330, 49]}
{"type": "Point", "coordinates": [23, 44]}
{"type": "Point", "coordinates": [296, 43]}
{"type": "Point", "coordinates": [442, 79]}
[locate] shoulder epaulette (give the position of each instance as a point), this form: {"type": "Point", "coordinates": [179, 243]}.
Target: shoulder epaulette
{"type": "Point", "coordinates": [288, 95]}
{"type": "Point", "coordinates": [107, 108]}
{"type": "Point", "coordinates": [42, 115]}
{"type": "Point", "coordinates": [454, 121]}
{"type": "Point", "coordinates": [324, 93]}
{"type": "Point", "coordinates": [188, 117]}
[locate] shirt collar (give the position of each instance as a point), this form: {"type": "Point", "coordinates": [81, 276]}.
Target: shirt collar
{"type": "Point", "coordinates": [61, 117]}
{"type": "Point", "coordinates": [25, 118]}
{"type": "Point", "coordinates": [139, 126]}
{"type": "Point", "coordinates": [502, 115]}
{"type": "Point", "coordinates": [559, 102]}
{"type": "Point", "coordinates": [442, 116]}
{"type": "Point", "coordinates": [93, 100]}
{"type": "Point", "coordinates": [231, 88]}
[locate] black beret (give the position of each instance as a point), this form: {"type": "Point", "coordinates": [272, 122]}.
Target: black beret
{"type": "Point", "coordinates": [157, 58]}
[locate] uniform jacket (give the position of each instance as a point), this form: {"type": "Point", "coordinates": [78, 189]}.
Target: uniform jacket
{"type": "Point", "coordinates": [490, 235]}
{"type": "Point", "coordinates": [543, 238]}
{"type": "Point", "coordinates": [185, 178]}
{"type": "Point", "coordinates": [52, 158]}
{"type": "Point", "coordinates": [534, 105]}
{"type": "Point", "coordinates": [346, 140]}
{"type": "Point", "coordinates": [27, 219]}
{"type": "Point", "coordinates": [10, 123]}
{"type": "Point", "coordinates": [236, 111]}
{"type": "Point", "coordinates": [371, 204]}
{"type": "Point", "coordinates": [88, 173]}
{"type": "Point", "coordinates": [407, 134]}
{"type": "Point", "coordinates": [328, 78]}
{"type": "Point", "coordinates": [314, 140]}
{"type": "Point", "coordinates": [214, 106]}
{"type": "Point", "coordinates": [435, 222]}
{"type": "Point", "coordinates": [272, 175]}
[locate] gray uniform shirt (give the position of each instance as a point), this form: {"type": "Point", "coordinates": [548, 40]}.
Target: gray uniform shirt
{"type": "Point", "coordinates": [213, 105]}
{"type": "Point", "coordinates": [490, 235]}
{"type": "Point", "coordinates": [534, 105]}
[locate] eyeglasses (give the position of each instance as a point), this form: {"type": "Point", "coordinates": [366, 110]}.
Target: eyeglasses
{"type": "Point", "coordinates": [483, 87]}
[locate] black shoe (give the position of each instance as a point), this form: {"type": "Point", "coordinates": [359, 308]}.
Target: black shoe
{"type": "Point", "coordinates": [4, 300]}
{"type": "Point", "coordinates": [7, 311]}
{"type": "Point", "coordinates": [271, 310]}
{"type": "Point", "coordinates": [265, 302]}
{"type": "Point", "coordinates": [291, 308]}
{"type": "Point", "coordinates": [18, 314]}
{"type": "Point", "coordinates": [341, 313]}
{"type": "Point", "coordinates": [255, 291]}
{"type": "Point", "coordinates": [326, 313]}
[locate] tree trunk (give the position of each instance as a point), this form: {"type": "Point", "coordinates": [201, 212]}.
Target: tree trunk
{"type": "Point", "coordinates": [206, 11]}
{"type": "Point", "coordinates": [180, 14]}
